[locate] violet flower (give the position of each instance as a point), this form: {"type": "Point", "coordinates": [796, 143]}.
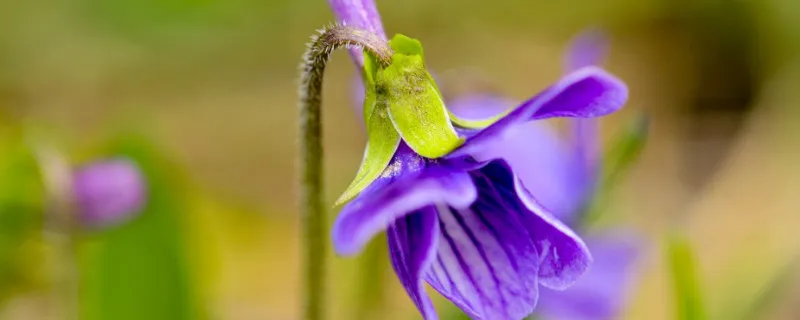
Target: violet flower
{"type": "Point", "coordinates": [563, 177]}
{"type": "Point", "coordinates": [470, 228]}
{"type": "Point", "coordinates": [108, 192]}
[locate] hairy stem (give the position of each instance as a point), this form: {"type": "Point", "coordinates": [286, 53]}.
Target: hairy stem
{"type": "Point", "coordinates": [311, 199]}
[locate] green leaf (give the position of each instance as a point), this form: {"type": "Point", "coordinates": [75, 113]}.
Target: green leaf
{"type": "Point", "coordinates": [415, 106]}
{"type": "Point", "coordinates": [683, 269]}
{"type": "Point", "coordinates": [139, 270]}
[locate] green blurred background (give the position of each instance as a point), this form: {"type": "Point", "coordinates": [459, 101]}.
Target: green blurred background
{"type": "Point", "coordinates": [202, 93]}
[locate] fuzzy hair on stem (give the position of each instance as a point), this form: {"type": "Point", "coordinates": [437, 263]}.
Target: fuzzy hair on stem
{"type": "Point", "coordinates": [312, 209]}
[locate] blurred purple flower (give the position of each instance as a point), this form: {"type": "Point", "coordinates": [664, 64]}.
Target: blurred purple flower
{"type": "Point", "coordinates": [108, 192]}
{"type": "Point", "coordinates": [563, 177]}
{"type": "Point", "coordinates": [466, 224]}
{"type": "Point", "coordinates": [600, 293]}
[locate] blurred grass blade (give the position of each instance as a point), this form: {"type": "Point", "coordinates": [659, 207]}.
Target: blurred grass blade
{"type": "Point", "coordinates": [374, 265]}
{"type": "Point", "coordinates": [621, 155]}
{"type": "Point", "coordinates": [778, 286]}
{"type": "Point", "coordinates": [138, 271]}
{"type": "Point", "coordinates": [625, 150]}
{"type": "Point", "coordinates": [683, 269]}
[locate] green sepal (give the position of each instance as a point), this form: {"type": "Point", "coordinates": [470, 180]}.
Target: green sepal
{"type": "Point", "coordinates": [382, 138]}
{"type": "Point", "coordinates": [368, 74]}
{"type": "Point", "coordinates": [382, 142]}
{"type": "Point", "coordinates": [476, 124]}
{"type": "Point", "coordinates": [466, 123]}
{"type": "Point", "coordinates": [415, 106]}
{"type": "Point", "coordinates": [405, 45]}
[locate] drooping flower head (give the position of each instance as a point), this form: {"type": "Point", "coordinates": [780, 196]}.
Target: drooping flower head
{"type": "Point", "coordinates": [468, 227]}
{"type": "Point", "coordinates": [108, 192]}
{"type": "Point", "coordinates": [563, 174]}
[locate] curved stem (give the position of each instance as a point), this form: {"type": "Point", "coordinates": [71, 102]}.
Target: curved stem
{"type": "Point", "coordinates": [311, 199]}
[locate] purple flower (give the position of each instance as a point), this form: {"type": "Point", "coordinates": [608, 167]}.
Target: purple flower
{"type": "Point", "coordinates": [466, 224]}
{"type": "Point", "coordinates": [469, 228]}
{"type": "Point", "coordinates": [563, 177]}
{"type": "Point", "coordinates": [552, 171]}
{"type": "Point", "coordinates": [108, 192]}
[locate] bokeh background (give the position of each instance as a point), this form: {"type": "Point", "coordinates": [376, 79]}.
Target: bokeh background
{"type": "Point", "coordinates": [202, 94]}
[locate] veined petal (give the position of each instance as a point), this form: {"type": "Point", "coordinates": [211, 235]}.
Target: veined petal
{"type": "Point", "coordinates": [600, 293]}
{"type": "Point", "coordinates": [588, 92]}
{"type": "Point", "coordinates": [493, 254]}
{"type": "Point", "coordinates": [487, 263]}
{"type": "Point", "coordinates": [406, 185]}
{"type": "Point", "coordinates": [413, 241]}
{"type": "Point", "coordinates": [563, 256]}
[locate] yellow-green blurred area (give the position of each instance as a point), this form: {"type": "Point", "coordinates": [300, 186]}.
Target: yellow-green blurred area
{"type": "Point", "coordinates": [211, 85]}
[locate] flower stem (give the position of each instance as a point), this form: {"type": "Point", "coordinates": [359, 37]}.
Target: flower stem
{"type": "Point", "coordinates": [311, 199]}
{"type": "Point", "coordinates": [61, 214]}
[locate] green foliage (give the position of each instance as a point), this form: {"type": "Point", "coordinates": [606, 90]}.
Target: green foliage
{"type": "Point", "coordinates": [683, 269]}
{"type": "Point", "coordinates": [139, 270]}
{"type": "Point", "coordinates": [21, 205]}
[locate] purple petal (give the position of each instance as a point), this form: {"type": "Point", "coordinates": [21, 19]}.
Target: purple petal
{"type": "Point", "coordinates": [407, 185]}
{"type": "Point", "coordinates": [588, 48]}
{"type": "Point", "coordinates": [108, 192]}
{"type": "Point", "coordinates": [600, 293]}
{"type": "Point", "coordinates": [535, 153]}
{"type": "Point", "coordinates": [479, 106]}
{"type": "Point", "coordinates": [358, 13]}
{"type": "Point", "coordinates": [588, 92]}
{"type": "Point", "coordinates": [413, 240]}
{"type": "Point", "coordinates": [487, 264]}
{"type": "Point", "coordinates": [562, 254]}
{"type": "Point", "coordinates": [491, 255]}
{"type": "Point", "coordinates": [586, 156]}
